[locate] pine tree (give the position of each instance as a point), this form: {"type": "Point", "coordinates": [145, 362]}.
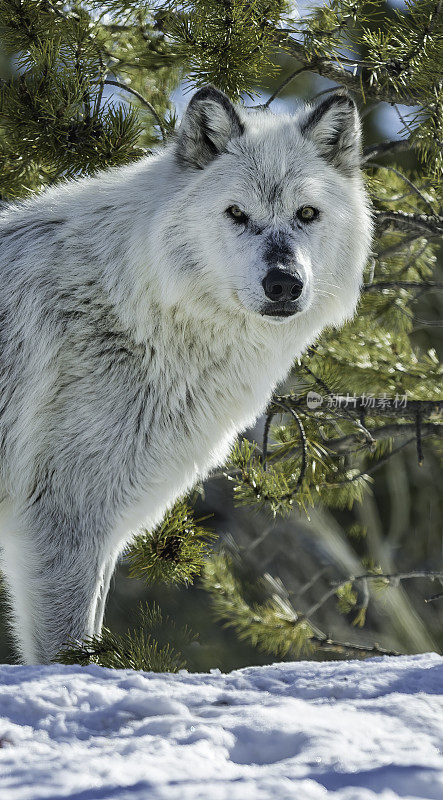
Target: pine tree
{"type": "Point", "coordinates": [87, 85]}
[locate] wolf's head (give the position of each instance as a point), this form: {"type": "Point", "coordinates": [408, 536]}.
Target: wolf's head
{"type": "Point", "coordinates": [271, 218]}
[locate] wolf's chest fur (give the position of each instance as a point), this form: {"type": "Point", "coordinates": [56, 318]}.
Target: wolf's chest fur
{"type": "Point", "coordinates": [196, 392]}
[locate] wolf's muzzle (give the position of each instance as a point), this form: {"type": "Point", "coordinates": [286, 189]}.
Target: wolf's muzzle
{"type": "Point", "coordinates": [282, 287]}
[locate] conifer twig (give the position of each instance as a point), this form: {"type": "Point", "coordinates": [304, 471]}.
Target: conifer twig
{"type": "Point", "coordinates": [408, 182]}
{"type": "Point", "coordinates": [384, 148]}
{"type": "Point", "coordinates": [264, 623]}
{"type": "Point", "coordinates": [402, 219]}
{"type": "Point", "coordinates": [388, 577]}
{"type": "Point", "coordinates": [333, 645]}
{"type": "Point", "coordinates": [380, 285]}
{"type": "Point", "coordinates": [385, 431]}
{"type": "Point", "coordinates": [304, 460]}
{"type": "Point", "coordinates": [283, 85]}
{"type": "Point", "coordinates": [356, 403]}
{"type": "Point", "coordinates": [335, 71]}
{"type": "Point", "coordinates": [269, 417]}
{"type": "Point", "coordinates": [142, 99]}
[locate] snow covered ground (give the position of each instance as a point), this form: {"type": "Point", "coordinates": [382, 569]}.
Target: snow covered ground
{"type": "Point", "coordinates": [300, 731]}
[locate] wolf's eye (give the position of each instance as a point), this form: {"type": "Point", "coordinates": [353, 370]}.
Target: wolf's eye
{"type": "Point", "coordinates": [237, 214]}
{"type": "Point", "coordinates": [307, 213]}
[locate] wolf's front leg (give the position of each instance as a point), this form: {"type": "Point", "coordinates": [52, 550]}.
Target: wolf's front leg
{"type": "Point", "coordinates": [105, 582]}
{"type": "Point", "coordinates": [54, 569]}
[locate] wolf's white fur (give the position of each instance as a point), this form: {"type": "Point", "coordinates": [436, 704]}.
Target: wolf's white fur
{"type": "Point", "coordinates": [133, 347]}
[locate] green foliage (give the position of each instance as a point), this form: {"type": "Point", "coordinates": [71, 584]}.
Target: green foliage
{"type": "Point", "coordinates": [273, 486]}
{"type": "Point", "coordinates": [230, 43]}
{"type": "Point", "coordinates": [346, 598]}
{"type": "Point", "coordinates": [273, 625]}
{"type": "Point", "coordinates": [174, 552]}
{"type": "Point", "coordinates": [356, 531]}
{"type": "Point", "coordinates": [279, 488]}
{"type": "Point", "coordinates": [54, 121]}
{"type": "Point", "coordinates": [402, 60]}
{"type": "Point", "coordinates": [137, 649]}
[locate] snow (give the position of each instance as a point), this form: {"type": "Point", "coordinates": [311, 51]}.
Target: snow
{"type": "Point", "coordinates": [348, 730]}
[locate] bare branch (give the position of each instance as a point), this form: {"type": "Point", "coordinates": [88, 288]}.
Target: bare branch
{"type": "Point", "coordinates": [391, 577]}
{"type": "Point", "coordinates": [143, 100]}
{"type": "Point", "coordinates": [383, 148]}
{"type": "Point", "coordinates": [433, 597]}
{"type": "Point", "coordinates": [380, 285]}
{"type": "Point", "coordinates": [335, 71]}
{"type": "Point", "coordinates": [384, 431]}
{"type": "Point", "coordinates": [269, 417]}
{"type": "Point", "coordinates": [401, 219]}
{"type": "Point", "coordinates": [371, 406]}
{"type": "Point", "coordinates": [409, 183]}
{"type": "Point", "coordinates": [419, 321]}
{"type": "Point", "coordinates": [332, 645]}
{"type": "Point", "coordinates": [377, 464]}
{"type": "Point", "coordinates": [282, 86]}
{"type": "Point", "coordinates": [402, 119]}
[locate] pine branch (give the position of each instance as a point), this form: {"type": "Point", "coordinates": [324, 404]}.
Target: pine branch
{"type": "Point", "coordinates": [426, 31]}
{"type": "Point", "coordinates": [403, 220]}
{"type": "Point", "coordinates": [357, 409]}
{"type": "Point", "coordinates": [273, 626]}
{"type": "Point", "coordinates": [387, 148]}
{"type": "Point", "coordinates": [142, 99]}
{"type": "Point", "coordinates": [174, 552]}
{"type": "Point", "coordinates": [135, 649]}
{"type": "Point", "coordinates": [388, 578]}
{"type": "Point", "coordinates": [384, 431]}
{"type": "Point", "coordinates": [380, 285]}
{"type": "Point", "coordinates": [335, 71]}
{"type": "Point", "coordinates": [276, 627]}
{"type": "Point", "coordinates": [333, 645]}
{"type": "Point", "coordinates": [378, 406]}
{"type": "Point", "coordinates": [409, 183]}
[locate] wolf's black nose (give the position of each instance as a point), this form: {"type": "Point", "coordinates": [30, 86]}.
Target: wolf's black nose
{"type": "Point", "coordinates": [280, 285]}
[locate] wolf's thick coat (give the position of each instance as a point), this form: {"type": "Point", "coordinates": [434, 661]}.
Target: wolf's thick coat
{"type": "Point", "coordinates": [135, 342]}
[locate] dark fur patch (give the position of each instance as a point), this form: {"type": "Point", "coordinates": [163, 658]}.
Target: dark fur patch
{"type": "Point", "coordinates": [340, 146]}
{"type": "Point", "coordinates": [211, 93]}
{"type": "Point", "coordinates": [338, 98]}
{"type": "Point", "coordinates": [278, 249]}
{"type": "Point", "coordinates": [254, 228]}
{"type": "Point", "coordinates": [198, 140]}
{"type": "Point", "coordinates": [37, 228]}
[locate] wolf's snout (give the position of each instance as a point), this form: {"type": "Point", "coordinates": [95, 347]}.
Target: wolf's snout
{"type": "Point", "coordinates": [280, 285]}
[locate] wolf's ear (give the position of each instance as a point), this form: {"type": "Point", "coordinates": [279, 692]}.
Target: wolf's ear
{"type": "Point", "coordinates": [210, 121]}
{"type": "Point", "coordinates": [334, 127]}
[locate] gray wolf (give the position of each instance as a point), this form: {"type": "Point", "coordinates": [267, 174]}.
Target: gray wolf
{"type": "Point", "coordinates": [147, 314]}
